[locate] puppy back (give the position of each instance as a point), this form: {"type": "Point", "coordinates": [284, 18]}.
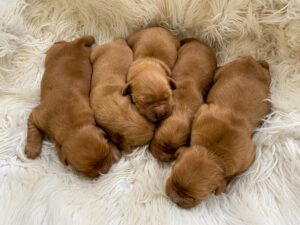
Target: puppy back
{"type": "Point", "coordinates": [155, 42]}
{"type": "Point", "coordinates": [118, 46]}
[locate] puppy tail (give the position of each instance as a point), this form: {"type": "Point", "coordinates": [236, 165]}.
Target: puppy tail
{"type": "Point", "coordinates": [86, 41]}
{"type": "Point", "coordinates": [264, 64]}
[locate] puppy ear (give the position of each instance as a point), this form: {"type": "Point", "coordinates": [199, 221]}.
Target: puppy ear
{"type": "Point", "coordinates": [172, 83]}
{"type": "Point", "coordinates": [221, 187]}
{"type": "Point", "coordinates": [126, 90]}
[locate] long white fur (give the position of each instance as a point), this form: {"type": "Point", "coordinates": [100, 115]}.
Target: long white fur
{"type": "Point", "coordinates": [42, 191]}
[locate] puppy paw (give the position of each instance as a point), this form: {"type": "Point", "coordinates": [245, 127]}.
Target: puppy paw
{"type": "Point", "coordinates": [31, 153]}
{"type": "Point", "coordinates": [116, 154]}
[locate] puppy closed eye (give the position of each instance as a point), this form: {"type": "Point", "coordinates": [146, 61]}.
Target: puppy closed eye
{"type": "Point", "coordinates": [148, 101]}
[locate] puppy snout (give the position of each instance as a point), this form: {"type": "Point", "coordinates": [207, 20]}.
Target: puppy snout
{"type": "Point", "coordinates": [160, 112]}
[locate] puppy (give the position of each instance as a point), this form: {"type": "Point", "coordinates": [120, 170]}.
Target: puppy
{"type": "Point", "coordinates": [65, 114]}
{"type": "Point", "coordinates": [148, 81]}
{"type": "Point", "coordinates": [221, 145]}
{"type": "Point", "coordinates": [114, 112]}
{"type": "Point", "coordinates": [193, 74]}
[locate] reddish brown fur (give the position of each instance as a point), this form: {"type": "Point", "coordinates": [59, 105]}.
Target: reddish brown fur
{"type": "Point", "coordinates": [221, 145]}
{"type": "Point", "coordinates": [65, 114]}
{"type": "Point", "coordinates": [148, 81]}
{"type": "Point", "coordinates": [155, 42]}
{"type": "Point", "coordinates": [114, 112]}
{"type": "Point", "coordinates": [193, 74]}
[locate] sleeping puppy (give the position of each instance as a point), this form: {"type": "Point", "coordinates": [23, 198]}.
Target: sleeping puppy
{"type": "Point", "coordinates": [221, 145]}
{"type": "Point", "coordinates": [114, 112]}
{"type": "Point", "coordinates": [148, 81]}
{"type": "Point", "coordinates": [193, 74]}
{"type": "Point", "coordinates": [65, 114]}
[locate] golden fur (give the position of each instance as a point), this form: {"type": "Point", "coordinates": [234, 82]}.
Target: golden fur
{"type": "Point", "coordinates": [148, 81]}
{"type": "Point", "coordinates": [114, 112]}
{"type": "Point", "coordinates": [155, 42]}
{"type": "Point", "coordinates": [65, 114]}
{"type": "Point", "coordinates": [193, 74]}
{"type": "Point", "coordinates": [221, 145]}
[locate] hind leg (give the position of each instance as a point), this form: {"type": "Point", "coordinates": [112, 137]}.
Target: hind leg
{"type": "Point", "coordinates": [34, 139]}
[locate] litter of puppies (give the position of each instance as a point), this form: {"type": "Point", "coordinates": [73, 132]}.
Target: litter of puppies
{"type": "Point", "coordinates": [152, 89]}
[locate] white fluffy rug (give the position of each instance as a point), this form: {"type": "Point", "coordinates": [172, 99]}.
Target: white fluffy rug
{"type": "Point", "coordinates": [42, 191]}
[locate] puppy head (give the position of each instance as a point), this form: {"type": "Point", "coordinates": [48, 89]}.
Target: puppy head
{"type": "Point", "coordinates": [167, 139]}
{"type": "Point", "coordinates": [89, 152]}
{"type": "Point", "coordinates": [195, 175]}
{"type": "Point", "coordinates": [151, 92]}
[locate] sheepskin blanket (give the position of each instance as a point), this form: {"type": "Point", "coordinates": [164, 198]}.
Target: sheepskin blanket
{"type": "Point", "coordinates": [43, 191]}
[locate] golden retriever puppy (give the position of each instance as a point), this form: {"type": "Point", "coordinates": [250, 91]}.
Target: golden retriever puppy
{"type": "Point", "coordinates": [114, 112]}
{"type": "Point", "coordinates": [148, 81]}
{"type": "Point", "coordinates": [65, 114]}
{"type": "Point", "coordinates": [193, 74]}
{"type": "Point", "coordinates": [221, 145]}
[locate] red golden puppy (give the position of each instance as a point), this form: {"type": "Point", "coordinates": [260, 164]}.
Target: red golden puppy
{"type": "Point", "coordinates": [65, 114]}
{"type": "Point", "coordinates": [193, 74]}
{"type": "Point", "coordinates": [114, 112]}
{"type": "Point", "coordinates": [221, 145]}
{"type": "Point", "coordinates": [148, 81]}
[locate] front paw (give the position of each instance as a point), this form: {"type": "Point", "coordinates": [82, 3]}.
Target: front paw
{"type": "Point", "coordinates": [116, 154]}
{"type": "Point", "coordinates": [31, 153]}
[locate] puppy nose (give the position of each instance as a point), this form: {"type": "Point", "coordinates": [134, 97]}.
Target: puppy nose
{"type": "Point", "coordinates": [159, 112]}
